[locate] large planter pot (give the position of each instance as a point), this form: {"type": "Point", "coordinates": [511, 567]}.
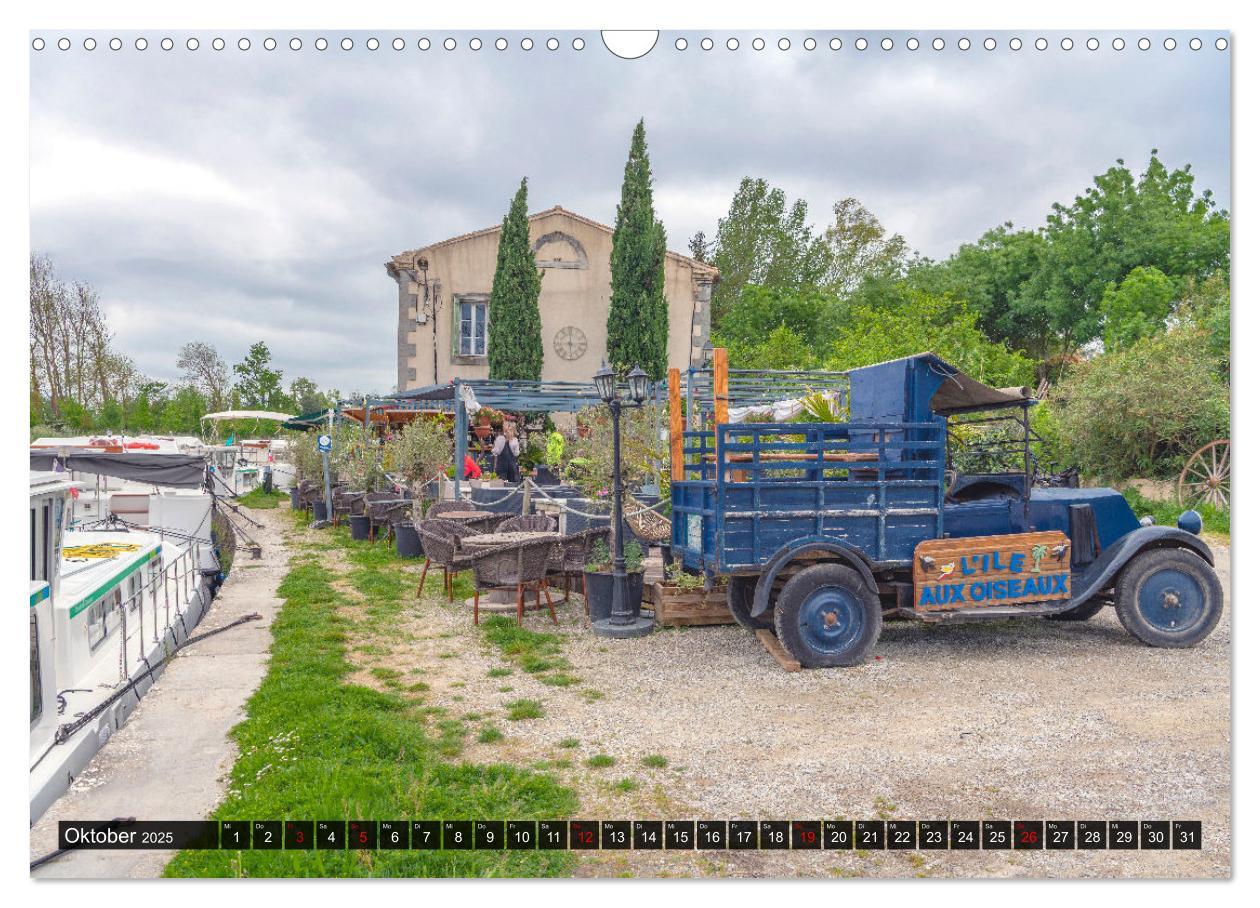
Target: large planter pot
{"type": "Point", "coordinates": [321, 510]}
{"type": "Point", "coordinates": [360, 526]}
{"type": "Point", "coordinates": [599, 593]}
{"type": "Point", "coordinates": [295, 499]}
{"type": "Point", "coordinates": [407, 540]}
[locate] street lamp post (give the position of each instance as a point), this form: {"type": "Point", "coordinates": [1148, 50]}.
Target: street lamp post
{"type": "Point", "coordinates": [625, 620]}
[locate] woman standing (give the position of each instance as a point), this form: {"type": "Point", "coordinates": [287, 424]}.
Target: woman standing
{"type": "Point", "coordinates": [507, 449]}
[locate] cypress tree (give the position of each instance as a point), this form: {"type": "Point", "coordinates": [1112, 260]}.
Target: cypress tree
{"type": "Point", "coordinates": [638, 315]}
{"type": "Point", "coordinates": [514, 346]}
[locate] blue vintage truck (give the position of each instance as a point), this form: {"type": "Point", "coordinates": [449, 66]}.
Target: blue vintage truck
{"type": "Point", "coordinates": [824, 529]}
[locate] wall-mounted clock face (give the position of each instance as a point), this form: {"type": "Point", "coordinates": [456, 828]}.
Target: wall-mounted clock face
{"type": "Point", "coordinates": [570, 342]}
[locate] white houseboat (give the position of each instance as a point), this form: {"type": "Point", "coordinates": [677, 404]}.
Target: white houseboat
{"type": "Point", "coordinates": [107, 607]}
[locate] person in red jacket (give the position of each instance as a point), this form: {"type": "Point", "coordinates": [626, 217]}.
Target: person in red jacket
{"type": "Point", "coordinates": [471, 470]}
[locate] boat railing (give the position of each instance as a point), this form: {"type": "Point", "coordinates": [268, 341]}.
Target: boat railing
{"type": "Point", "coordinates": [175, 580]}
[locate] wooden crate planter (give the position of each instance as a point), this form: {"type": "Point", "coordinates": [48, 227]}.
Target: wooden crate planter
{"type": "Point", "coordinates": [676, 607]}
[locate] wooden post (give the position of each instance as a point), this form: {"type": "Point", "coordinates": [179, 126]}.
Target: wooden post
{"type": "Point", "coordinates": [720, 387]}
{"type": "Point", "coordinates": [675, 427]}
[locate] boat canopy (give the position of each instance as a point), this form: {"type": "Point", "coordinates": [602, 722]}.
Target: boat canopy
{"type": "Point", "coordinates": [247, 414]}
{"type": "Point", "coordinates": [180, 471]}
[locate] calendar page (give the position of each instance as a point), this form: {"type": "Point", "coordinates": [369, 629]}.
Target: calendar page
{"type": "Point", "coordinates": [777, 452]}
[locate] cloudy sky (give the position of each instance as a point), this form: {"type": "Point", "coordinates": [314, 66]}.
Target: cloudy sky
{"type": "Point", "coordinates": [232, 196]}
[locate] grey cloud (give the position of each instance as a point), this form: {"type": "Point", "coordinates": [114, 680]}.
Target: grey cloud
{"type": "Point", "coordinates": [272, 185]}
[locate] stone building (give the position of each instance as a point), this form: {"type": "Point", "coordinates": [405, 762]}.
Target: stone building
{"type": "Point", "coordinates": [573, 254]}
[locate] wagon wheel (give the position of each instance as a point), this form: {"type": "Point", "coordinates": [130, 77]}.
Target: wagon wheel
{"type": "Point", "coordinates": [1205, 479]}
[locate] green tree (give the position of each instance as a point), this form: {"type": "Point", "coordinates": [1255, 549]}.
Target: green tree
{"type": "Point", "coordinates": [514, 347]}
{"type": "Point", "coordinates": [306, 396]}
{"type": "Point", "coordinates": [1119, 223]}
{"type": "Point", "coordinates": [182, 413]}
{"type": "Point", "coordinates": [926, 323]}
{"type": "Point", "coordinates": [989, 276]}
{"type": "Point", "coordinates": [1138, 307]}
{"type": "Point", "coordinates": [1206, 306]}
{"type": "Point", "coordinates": [860, 248]}
{"type": "Point", "coordinates": [778, 328]}
{"type": "Point", "coordinates": [765, 242]}
{"type": "Point", "coordinates": [258, 385]}
{"type": "Point", "coordinates": [638, 314]}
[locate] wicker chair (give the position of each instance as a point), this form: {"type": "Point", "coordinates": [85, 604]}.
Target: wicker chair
{"type": "Point", "coordinates": [529, 523]}
{"type": "Point", "coordinates": [344, 503]}
{"type": "Point", "coordinates": [517, 564]}
{"type": "Point", "coordinates": [440, 540]}
{"type": "Point", "coordinates": [384, 514]}
{"type": "Point", "coordinates": [575, 551]}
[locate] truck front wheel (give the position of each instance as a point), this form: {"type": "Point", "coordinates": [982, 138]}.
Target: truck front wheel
{"type": "Point", "coordinates": [1169, 597]}
{"type": "Point", "coordinates": [739, 597]}
{"type": "Point", "coordinates": [827, 616]}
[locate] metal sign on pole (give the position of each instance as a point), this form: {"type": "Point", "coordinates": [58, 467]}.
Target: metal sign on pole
{"type": "Point", "coordinates": [324, 443]}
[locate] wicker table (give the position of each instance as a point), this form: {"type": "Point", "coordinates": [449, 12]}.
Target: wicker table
{"type": "Point", "coordinates": [480, 519]}
{"type": "Point", "coordinates": [490, 540]}
{"type": "Point", "coordinates": [499, 601]}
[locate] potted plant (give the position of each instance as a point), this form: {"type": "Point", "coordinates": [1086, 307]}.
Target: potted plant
{"type": "Point", "coordinates": [491, 480]}
{"type": "Point", "coordinates": [548, 464]}
{"type": "Point", "coordinates": [599, 578]}
{"type": "Point", "coordinates": [416, 454]}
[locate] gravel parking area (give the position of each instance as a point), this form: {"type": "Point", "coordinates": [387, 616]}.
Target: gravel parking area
{"type": "Point", "coordinates": [1027, 719]}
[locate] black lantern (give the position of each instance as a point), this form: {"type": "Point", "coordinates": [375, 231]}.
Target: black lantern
{"type": "Point", "coordinates": [606, 383]}
{"type": "Point", "coordinates": [638, 385]}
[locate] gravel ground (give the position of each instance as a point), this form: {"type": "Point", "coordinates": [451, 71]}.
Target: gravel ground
{"type": "Point", "coordinates": [1024, 719]}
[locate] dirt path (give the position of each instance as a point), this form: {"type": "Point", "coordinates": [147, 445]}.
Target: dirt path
{"type": "Point", "coordinates": [171, 759]}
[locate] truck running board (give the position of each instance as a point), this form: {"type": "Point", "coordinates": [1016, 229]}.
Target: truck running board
{"type": "Point", "coordinates": [995, 613]}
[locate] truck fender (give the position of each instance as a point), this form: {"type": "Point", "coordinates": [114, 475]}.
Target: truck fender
{"type": "Point", "coordinates": [1102, 573]}
{"type": "Point", "coordinates": [845, 553]}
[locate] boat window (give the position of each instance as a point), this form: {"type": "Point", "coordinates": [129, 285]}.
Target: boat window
{"type": "Point", "coordinates": [37, 690]}
{"type": "Point", "coordinates": [102, 617]}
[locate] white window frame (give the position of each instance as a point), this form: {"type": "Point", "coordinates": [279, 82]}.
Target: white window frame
{"type": "Point", "coordinates": [475, 306]}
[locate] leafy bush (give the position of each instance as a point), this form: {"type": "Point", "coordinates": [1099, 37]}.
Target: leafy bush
{"type": "Point", "coordinates": [591, 464]}
{"type": "Point", "coordinates": [1141, 411]}
{"type": "Point", "coordinates": [924, 322]}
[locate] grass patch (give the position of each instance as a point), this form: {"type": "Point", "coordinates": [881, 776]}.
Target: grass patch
{"type": "Point", "coordinates": [600, 761]}
{"type": "Point", "coordinates": [498, 673]}
{"type": "Point", "coordinates": [655, 761]}
{"type": "Point", "coordinates": [524, 709]}
{"type": "Point", "coordinates": [569, 743]}
{"type": "Point", "coordinates": [489, 734]}
{"type": "Point", "coordinates": [263, 501]}
{"type": "Point", "coordinates": [314, 745]}
{"type": "Point", "coordinates": [1166, 513]}
{"type": "Point", "coordinates": [625, 786]}
{"type": "Point", "coordinates": [560, 679]}
{"type": "Point", "coordinates": [536, 653]}
{"type": "Point", "coordinates": [590, 694]}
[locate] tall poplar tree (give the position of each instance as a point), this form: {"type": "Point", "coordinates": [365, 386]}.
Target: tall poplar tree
{"type": "Point", "coordinates": [514, 346]}
{"type": "Point", "coordinates": [638, 314]}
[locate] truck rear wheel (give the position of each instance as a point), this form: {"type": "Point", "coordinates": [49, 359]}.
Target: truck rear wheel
{"type": "Point", "coordinates": [739, 597]}
{"type": "Point", "coordinates": [1169, 598]}
{"type": "Point", "coordinates": [827, 616]}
